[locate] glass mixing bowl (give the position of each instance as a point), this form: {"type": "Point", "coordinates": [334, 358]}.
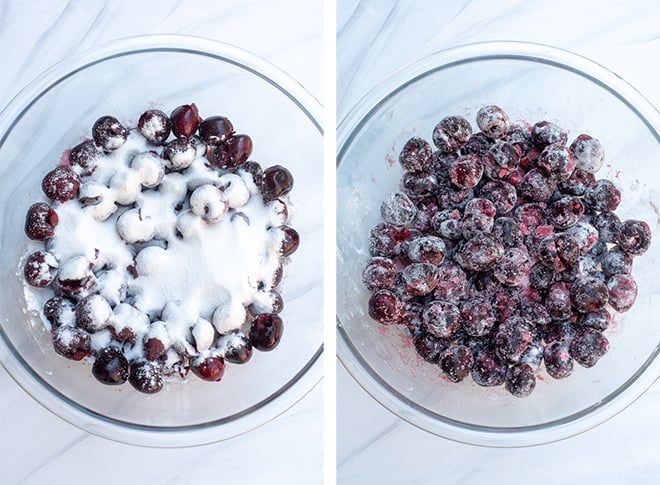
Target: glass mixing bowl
{"type": "Point", "coordinates": [530, 82]}
{"type": "Point", "coordinates": [124, 79]}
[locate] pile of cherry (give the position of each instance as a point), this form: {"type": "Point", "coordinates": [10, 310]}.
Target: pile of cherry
{"type": "Point", "coordinates": [79, 309]}
{"type": "Point", "coordinates": [502, 251]}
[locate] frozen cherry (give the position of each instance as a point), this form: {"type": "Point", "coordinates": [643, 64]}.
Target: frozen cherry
{"type": "Point", "coordinates": [565, 212]}
{"type": "Point", "coordinates": [456, 362]}
{"type": "Point", "coordinates": [451, 133]}
{"type": "Point", "coordinates": [519, 136]}
{"type": "Point", "coordinates": [488, 370]}
{"type": "Point", "coordinates": [502, 194]}
{"type": "Point", "coordinates": [146, 376]}
{"type": "Point", "coordinates": [93, 313]}
{"type": "Point", "coordinates": [557, 251]}
{"type": "Point", "coordinates": [530, 216]}
{"type": "Point", "coordinates": [428, 346]}
{"type": "Point", "coordinates": [239, 148]}
{"type": "Point", "coordinates": [215, 130]}
{"type": "Point", "coordinates": [72, 342]}
{"type": "Point", "coordinates": [209, 369]}
{"type": "Point", "coordinates": [448, 224]}
{"type": "Point", "coordinates": [536, 186]}
{"type": "Point", "coordinates": [588, 346]}
{"type": "Point", "coordinates": [533, 355]}
{"type": "Point", "coordinates": [622, 292]}
{"type": "Point", "coordinates": [557, 162]}
{"type": "Point", "coordinates": [545, 133]}
{"type": "Point", "coordinates": [40, 269]}
{"type": "Point", "coordinates": [110, 366]}
{"type": "Point", "coordinates": [109, 133]}
{"type": "Point", "coordinates": [466, 171]}
{"type": "Point", "coordinates": [588, 294]}
{"type": "Point", "coordinates": [507, 231]}
{"type": "Point", "coordinates": [511, 339]}
{"type": "Point", "coordinates": [600, 319]}
{"type": "Point", "coordinates": [558, 301]}
{"type": "Point", "coordinates": [557, 358]}
{"type": "Point", "coordinates": [608, 226]}
{"type": "Point", "coordinates": [61, 184]}
{"type": "Point", "coordinates": [520, 380]}
{"type": "Point", "coordinates": [277, 182]}
{"type": "Point", "coordinates": [379, 273]}
{"type": "Point", "coordinates": [237, 346]}
{"type": "Point", "coordinates": [477, 317]}
{"type": "Point", "coordinates": [419, 184]}
{"type": "Point", "coordinates": [420, 278]}
{"type": "Point", "coordinates": [588, 152]}
{"type": "Point", "coordinates": [585, 234]}
{"type": "Point", "coordinates": [454, 198]}
{"type": "Point", "coordinates": [416, 155]}
{"type": "Point", "coordinates": [155, 126]}
{"type": "Point", "coordinates": [427, 249]}
{"type": "Point", "coordinates": [179, 154]}
{"type": "Point", "coordinates": [385, 239]}
{"type": "Point", "coordinates": [266, 331]}
{"type": "Point", "coordinates": [541, 276]}
{"type": "Point", "coordinates": [577, 183]}
{"type": "Point", "coordinates": [59, 311]}
{"type": "Point", "coordinates": [504, 155]}
{"type": "Point", "coordinates": [153, 348]}
{"type": "Point", "coordinates": [493, 121]}
{"type": "Point", "coordinates": [615, 261]}
{"type": "Point", "coordinates": [634, 237]}
{"type": "Point", "coordinates": [290, 241]}
{"type": "Point", "coordinates": [480, 253]}
{"type": "Point", "coordinates": [185, 120]}
{"type": "Point", "coordinates": [40, 222]}
{"type": "Point", "coordinates": [602, 196]}
{"type": "Point", "coordinates": [398, 209]}
{"type": "Point", "coordinates": [452, 282]}
{"type": "Point", "coordinates": [478, 144]}
{"type": "Point", "coordinates": [535, 314]}
{"type": "Point", "coordinates": [513, 268]}
{"type": "Point", "coordinates": [559, 331]}
{"type": "Point", "coordinates": [83, 157]}
{"type": "Point", "coordinates": [441, 319]}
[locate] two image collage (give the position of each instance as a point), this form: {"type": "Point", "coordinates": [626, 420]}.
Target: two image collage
{"type": "Point", "coordinates": [329, 242]}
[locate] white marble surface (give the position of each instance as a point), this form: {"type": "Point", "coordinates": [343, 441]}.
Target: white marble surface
{"type": "Point", "coordinates": [376, 38]}
{"type": "Point", "coordinates": [38, 447]}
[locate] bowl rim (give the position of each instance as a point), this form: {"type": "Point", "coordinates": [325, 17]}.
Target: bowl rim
{"type": "Point", "coordinates": [301, 384]}
{"type": "Point", "coordinates": [349, 355]}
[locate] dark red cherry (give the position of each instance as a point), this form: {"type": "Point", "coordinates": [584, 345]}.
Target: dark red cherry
{"type": "Point", "coordinates": [146, 376]}
{"type": "Point", "coordinates": [110, 367]}
{"type": "Point", "coordinates": [210, 369]}
{"type": "Point", "coordinates": [290, 240]}
{"type": "Point", "coordinates": [215, 130]}
{"type": "Point", "coordinates": [155, 126]}
{"type": "Point", "coordinates": [40, 222]}
{"type": "Point", "coordinates": [61, 184]}
{"type": "Point", "coordinates": [240, 149]}
{"type": "Point", "coordinates": [266, 331]}
{"type": "Point", "coordinates": [277, 182]}
{"type": "Point", "coordinates": [185, 120]}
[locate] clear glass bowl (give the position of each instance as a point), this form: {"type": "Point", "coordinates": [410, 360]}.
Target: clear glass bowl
{"type": "Point", "coordinates": [124, 78]}
{"type": "Point", "coordinates": [530, 82]}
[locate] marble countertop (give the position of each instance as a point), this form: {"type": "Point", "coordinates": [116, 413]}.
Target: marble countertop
{"type": "Point", "coordinates": [376, 38]}
{"type": "Point", "coordinates": [40, 448]}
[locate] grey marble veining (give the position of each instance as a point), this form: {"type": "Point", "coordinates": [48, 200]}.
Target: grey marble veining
{"type": "Point", "coordinates": [375, 39]}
